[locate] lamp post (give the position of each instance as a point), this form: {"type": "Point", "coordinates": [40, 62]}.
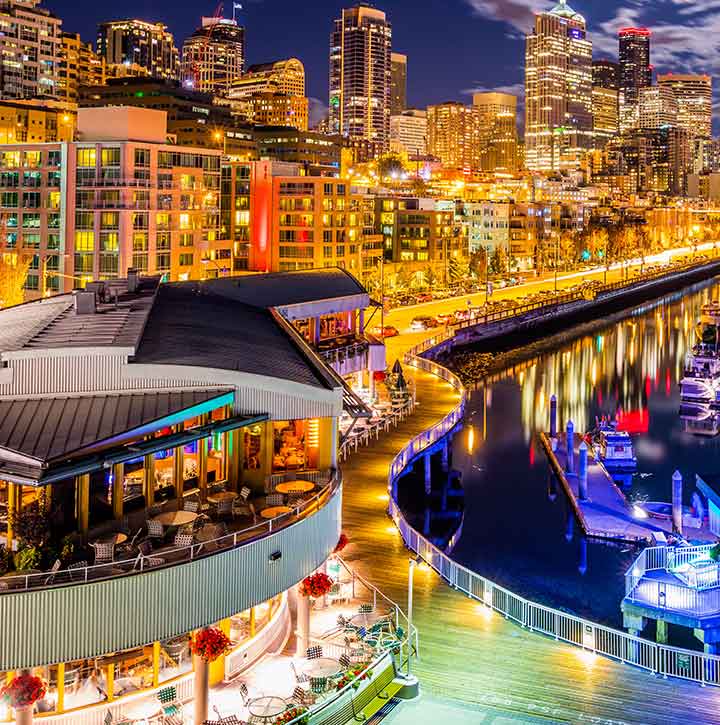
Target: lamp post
{"type": "Point", "coordinates": [413, 562]}
{"type": "Point", "coordinates": [210, 260]}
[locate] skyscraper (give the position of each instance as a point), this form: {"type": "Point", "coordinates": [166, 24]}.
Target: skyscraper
{"type": "Point", "coordinates": [606, 74]}
{"type": "Point", "coordinates": [214, 56]}
{"type": "Point", "coordinates": [693, 94]}
{"type": "Point", "coordinates": [558, 90]}
{"type": "Point", "coordinates": [398, 83]}
{"type": "Point", "coordinates": [635, 72]}
{"type": "Point", "coordinates": [29, 50]}
{"type": "Point", "coordinates": [80, 65]}
{"type": "Point", "coordinates": [498, 124]}
{"type": "Point", "coordinates": [360, 72]}
{"type": "Point", "coordinates": [454, 135]}
{"type": "Point", "coordinates": [408, 132]}
{"type": "Point", "coordinates": [136, 43]}
{"type": "Point", "coordinates": [657, 107]}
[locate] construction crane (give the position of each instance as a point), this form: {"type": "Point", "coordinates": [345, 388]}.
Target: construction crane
{"type": "Point", "coordinates": [194, 77]}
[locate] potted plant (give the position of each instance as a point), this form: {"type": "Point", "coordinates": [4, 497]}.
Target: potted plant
{"type": "Point", "coordinates": [27, 558]}
{"type": "Point", "coordinates": [290, 714]}
{"type": "Point", "coordinates": [21, 693]}
{"type": "Point", "coordinates": [207, 645]}
{"type": "Point", "coordinates": [341, 544]}
{"type": "Point", "coordinates": [316, 585]}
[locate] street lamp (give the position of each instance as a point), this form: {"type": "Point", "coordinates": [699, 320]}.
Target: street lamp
{"type": "Point", "coordinates": [412, 563]}
{"type": "Point", "coordinates": [210, 260]}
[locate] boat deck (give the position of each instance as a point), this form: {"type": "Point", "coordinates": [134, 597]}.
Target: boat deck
{"type": "Point", "coordinates": [606, 514]}
{"type": "Point", "coordinates": [474, 656]}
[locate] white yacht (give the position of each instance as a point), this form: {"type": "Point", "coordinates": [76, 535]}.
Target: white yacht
{"type": "Point", "coordinates": [614, 447]}
{"type": "Point", "coordinates": [701, 382]}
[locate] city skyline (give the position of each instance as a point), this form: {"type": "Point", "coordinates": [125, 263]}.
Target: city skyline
{"type": "Point", "coordinates": [446, 61]}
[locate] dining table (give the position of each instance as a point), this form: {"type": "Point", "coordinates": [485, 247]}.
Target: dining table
{"type": "Point", "coordinates": [321, 667]}
{"type": "Point", "coordinates": [267, 707]}
{"type": "Point", "coordinates": [117, 538]}
{"type": "Point", "coordinates": [295, 486]}
{"type": "Point", "coordinates": [222, 496]}
{"type": "Point", "coordinates": [272, 512]}
{"type": "Point", "coordinates": [176, 518]}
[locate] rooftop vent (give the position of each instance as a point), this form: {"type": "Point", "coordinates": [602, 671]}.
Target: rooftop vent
{"type": "Point", "coordinates": [85, 302]}
{"type": "Point", "coordinates": [133, 280]}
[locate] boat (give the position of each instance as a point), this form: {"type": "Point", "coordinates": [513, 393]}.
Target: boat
{"type": "Point", "coordinates": [701, 380]}
{"type": "Point", "coordinates": [613, 447]}
{"type": "Point", "coordinates": [699, 419]}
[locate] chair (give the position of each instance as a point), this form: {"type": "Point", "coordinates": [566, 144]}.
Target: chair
{"type": "Point", "coordinates": [365, 609]}
{"type": "Point", "coordinates": [344, 661]}
{"type": "Point", "coordinates": [53, 571]}
{"type": "Point", "coordinates": [167, 697]}
{"type": "Point", "coordinates": [303, 697]}
{"type": "Point", "coordinates": [245, 493]}
{"type": "Point", "coordinates": [191, 505]}
{"type": "Point", "coordinates": [318, 685]}
{"type": "Point", "coordinates": [314, 652]}
{"type": "Point", "coordinates": [274, 499]}
{"type": "Point", "coordinates": [244, 694]}
{"type": "Point", "coordinates": [155, 529]}
{"type": "Point", "coordinates": [77, 565]}
{"type": "Point", "coordinates": [183, 541]}
{"type": "Point", "coordinates": [154, 510]}
{"type": "Point", "coordinates": [224, 507]}
{"type": "Point", "coordinates": [301, 677]}
{"type": "Point", "coordinates": [104, 552]}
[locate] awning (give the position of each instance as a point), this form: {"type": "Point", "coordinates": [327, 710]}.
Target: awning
{"type": "Point", "coordinates": [353, 405]}
{"type": "Point", "coordinates": [39, 476]}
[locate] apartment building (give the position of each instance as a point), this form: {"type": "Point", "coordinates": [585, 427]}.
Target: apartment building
{"type": "Point", "coordinates": [119, 197]}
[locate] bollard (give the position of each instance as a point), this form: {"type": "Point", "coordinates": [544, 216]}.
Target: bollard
{"type": "Point", "coordinates": [570, 447]}
{"type": "Point", "coordinates": [583, 471]}
{"type": "Point", "coordinates": [553, 416]}
{"type": "Point", "coordinates": [677, 507]}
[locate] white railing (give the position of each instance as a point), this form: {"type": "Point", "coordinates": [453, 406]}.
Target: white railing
{"type": "Point", "coordinates": [168, 556]}
{"type": "Point", "coordinates": [582, 633]}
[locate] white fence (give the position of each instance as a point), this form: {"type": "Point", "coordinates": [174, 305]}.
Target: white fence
{"type": "Point", "coordinates": [598, 639]}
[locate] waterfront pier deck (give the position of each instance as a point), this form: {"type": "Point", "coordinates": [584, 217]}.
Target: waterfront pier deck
{"type": "Point", "coordinates": [474, 656]}
{"type": "Point", "coordinates": [606, 514]}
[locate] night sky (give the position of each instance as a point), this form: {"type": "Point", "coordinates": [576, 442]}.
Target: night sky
{"type": "Point", "coordinates": [453, 46]}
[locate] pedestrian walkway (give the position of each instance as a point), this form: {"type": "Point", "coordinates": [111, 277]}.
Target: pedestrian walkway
{"type": "Point", "coordinates": [476, 657]}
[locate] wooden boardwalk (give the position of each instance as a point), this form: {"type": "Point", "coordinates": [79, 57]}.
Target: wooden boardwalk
{"type": "Point", "coordinates": [476, 657]}
{"type": "Point", "coordinates": [606, 513]}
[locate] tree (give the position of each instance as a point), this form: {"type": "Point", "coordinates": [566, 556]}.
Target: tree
{"type": "Point", "coordinates": [391, 165]}
{"type": "Point", "coordinates": [458, 269]}
{"type": "Point", "coordinates": [477, 264]}
{"type": "Point", "coordinates": [498, 261]}
{"type": "Point", "coordinates": [430, 277]}
{"type": "Point", "coordinates": [13, 273]}
{"type": "Point", "coordinates": [567, 248]}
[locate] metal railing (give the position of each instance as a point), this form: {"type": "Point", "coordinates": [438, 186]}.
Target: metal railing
{"type": "Point", "coordinates": [587, 635]}
{"type": "Point", "coordinates": [169, 556]}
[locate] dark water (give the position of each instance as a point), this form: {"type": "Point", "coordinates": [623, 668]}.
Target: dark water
{"type": "Point", "coordinates": [518, 530]}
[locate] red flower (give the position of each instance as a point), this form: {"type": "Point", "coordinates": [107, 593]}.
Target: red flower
{"type": "Point", "coordinates": [316, 585]}
{"type": "Point", "coordinates": [341, 544]}
{"type": "Point", "coordinates": [209, 644]}
{"type": "Point", "coordinates": [23, 691]}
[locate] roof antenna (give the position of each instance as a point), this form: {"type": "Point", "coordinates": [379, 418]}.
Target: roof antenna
{"type": "Point", "coordinates": [236, 6]}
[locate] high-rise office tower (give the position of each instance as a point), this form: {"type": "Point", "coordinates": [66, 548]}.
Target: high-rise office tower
{"type": "Point", "coordinates": [214, 56]}
{"type": "Point", "coordinates": [693, 94]}
{"type": "Point", "coordinates": [498, 123]}
{"type": "Point", "coordinates": [138, 44]}
{"type": "Point", "coordinates": [657, 107]}
{"type": "Point", "coordinates": [29, 50]}
{"type": "Point", "coordinates": [454, 135]}
{"type": "Point", "coordinates": [606, 74]}
{"type": "Point", "coordinates": [558, 90]}
{"type": "Point", "coordinates": [408, 132]}
{"type": "Point", "coordinates": [398, 83]}
{"type": "Point", "coordinates": [635, 73]}
{"type": "Point", "coordinates": [80, 65]}
{"type": "Point", "coordinates": [360, 72]}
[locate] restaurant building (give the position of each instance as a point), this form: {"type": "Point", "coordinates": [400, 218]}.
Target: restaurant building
{"type": "Point", "coordinates": [121, 404]}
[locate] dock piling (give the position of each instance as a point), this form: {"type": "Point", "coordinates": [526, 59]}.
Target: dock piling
{"type": "Point", "coordinates": [570, 445]}
{"type": "Point", "coordinates": [553, 416]}
{"type": "Point", "coordinates": [583, 472]}
{"type": "Point", "coordinates": [677, 504]}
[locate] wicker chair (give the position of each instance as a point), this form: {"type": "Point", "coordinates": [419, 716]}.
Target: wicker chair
{"type": "Point", "coordinates": [300, 677]}
{"type": "Point", "coordinates": [245, 493]}
{"type": "Point", "coordinates": [314, 652]}
{"type": "Point", "coordinates": [303, 697]}
{"type": "Point", "coordinates": [274, 499]}
{"type": "Point", "coordinates": [318, 685]}
{"type": "Point", "coordinates": [104, 552]}
{"type": "Point", "coordinates": [155, 529]}
{"type": "Point", "coordinates": [224, 507]}
{"type": "Point", "coordinates": [168, 699]}
{"type": "Point", "coordinates": [183, 541]}
{"type": "Point", "coordinates": [191, 505]}
{"type": "Point", "coordinates": [344, 661]}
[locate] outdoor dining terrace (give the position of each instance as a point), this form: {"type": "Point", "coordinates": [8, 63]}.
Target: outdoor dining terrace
{"type": "Point", "coordinates": [183, 530]}
{"type": "Point", "coordinates": [345, 668]}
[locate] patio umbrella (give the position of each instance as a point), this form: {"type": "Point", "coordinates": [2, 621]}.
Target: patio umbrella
{"type": "Point", "coordinates": [397, 368]}
{"type": "Point", "coordinates": [400, 383]}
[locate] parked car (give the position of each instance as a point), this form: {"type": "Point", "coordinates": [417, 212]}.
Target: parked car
{"type": "Point", "coordinates": [423, 323]}
{"type": "Point", "coordinates": [387, 331]}
{"type": "Point", "coordinates": [445, 318]}
{"type": "Point", "coordinates": [423, 297]}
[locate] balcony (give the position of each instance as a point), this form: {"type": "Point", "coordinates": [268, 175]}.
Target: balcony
{"type": "Point", "coordinates": [348, 355]}
{"type": "Point", "coordinates": [176, 588]}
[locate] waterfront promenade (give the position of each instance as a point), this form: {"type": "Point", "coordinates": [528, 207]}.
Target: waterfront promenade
{"type": "Point", "coordinates": [476, 657]}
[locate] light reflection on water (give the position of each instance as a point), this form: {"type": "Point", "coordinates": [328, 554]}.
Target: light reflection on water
{"type": "Point", "coordinates": [516, 527]}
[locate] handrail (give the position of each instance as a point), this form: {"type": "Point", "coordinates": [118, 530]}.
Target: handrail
{"type": "Point", "coordinates": [137, 564]}
{"type": "Point", "coordinates": [585, 634]}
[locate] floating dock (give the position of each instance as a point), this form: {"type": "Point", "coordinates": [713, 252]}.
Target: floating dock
{"type": "Point", "coordinates": [605, 513]}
